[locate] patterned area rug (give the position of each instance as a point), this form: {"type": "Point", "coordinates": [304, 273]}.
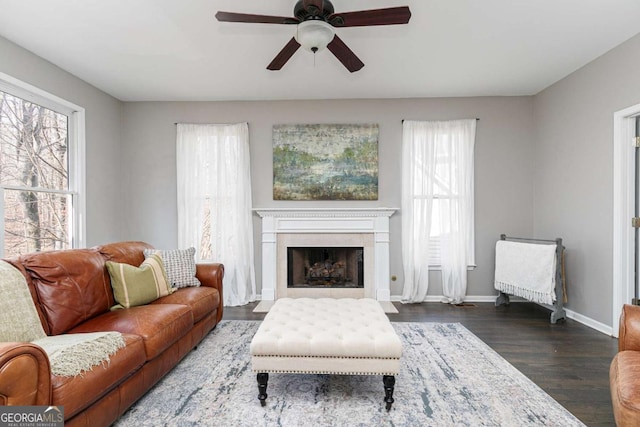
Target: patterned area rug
{"type": "Point", "coordinates": [448, 377]}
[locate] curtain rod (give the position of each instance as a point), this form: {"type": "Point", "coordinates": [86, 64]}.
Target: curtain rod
{"type": "Point", "coordinates": [176, 123]}
{"type": "Point", "coordinates": [185, 123]}
{"type": "Point", "coordinates": [477, 120]}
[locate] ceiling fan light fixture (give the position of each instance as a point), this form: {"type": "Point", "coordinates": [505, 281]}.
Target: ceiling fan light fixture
{"type": "Point", "coordinates": [314, 35]}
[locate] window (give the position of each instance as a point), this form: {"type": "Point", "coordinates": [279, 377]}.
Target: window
{"type": "Point", "coordinates": [446, 198]}
{"type": "Point", "coordinates": [437, 206]}
{"type": "Point", "coordinates": [40, 171]}
{"type": "Point", "coordinates": [442, 187]}
{"type": "Point", "coordinates": [214, 202]}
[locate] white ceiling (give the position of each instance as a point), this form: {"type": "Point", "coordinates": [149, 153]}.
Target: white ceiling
{"type": "Point", "coordinates": [143, 50]}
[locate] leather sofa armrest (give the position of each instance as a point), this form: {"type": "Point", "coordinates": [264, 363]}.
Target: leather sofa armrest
{"type": "Point", "coordinates": [25, 375]}
{"type": "Point", "coordinates": [629, 332]}
{"type": "Point", "coordinates": [211, 274]}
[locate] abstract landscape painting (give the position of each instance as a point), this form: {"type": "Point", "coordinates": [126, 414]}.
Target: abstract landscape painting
{"type": "Point", "coordinates": [325, 162]}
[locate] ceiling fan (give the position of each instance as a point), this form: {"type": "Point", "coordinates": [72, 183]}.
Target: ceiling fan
{"type": "Point", "coordinates": [315, 21]}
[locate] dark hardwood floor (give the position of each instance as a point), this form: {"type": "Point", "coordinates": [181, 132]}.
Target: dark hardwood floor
{"type": "Point", "coordinates": [568, 360]}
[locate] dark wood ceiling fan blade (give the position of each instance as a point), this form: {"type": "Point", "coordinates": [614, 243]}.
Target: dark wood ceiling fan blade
{"type": "Point", "coordinates": [255, 19]}
{"type": "Point", "coordinates": [363, 18]}
{"type": "Point", "coordinates": [345, 55]}
{"type": "Point", "coordinates": [285, 54]}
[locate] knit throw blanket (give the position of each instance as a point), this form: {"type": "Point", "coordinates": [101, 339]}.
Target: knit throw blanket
{"type": "Point", "coordinates": [73, 354]}
{"type": "Point", "coordinates": [19, 321]}
{"type": "Point", "coordinates": [69, 354]}
{"type": "Point", "coordinates": [526, 270]}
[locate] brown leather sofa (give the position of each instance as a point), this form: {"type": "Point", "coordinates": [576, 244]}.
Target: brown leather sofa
{"type": "Point", "coordinates": [73, 294]}
{"type": "Point", "coordinates": [624, 374]}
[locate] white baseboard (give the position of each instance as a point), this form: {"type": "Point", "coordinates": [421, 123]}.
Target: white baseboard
{"type": "Point", "coordinates": [468, 298]}
{"type": "Point", "coordinates": [587, 321]}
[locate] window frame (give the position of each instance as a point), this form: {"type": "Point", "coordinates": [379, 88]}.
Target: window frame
{"type": "Point", "coordinates": [76, 153]}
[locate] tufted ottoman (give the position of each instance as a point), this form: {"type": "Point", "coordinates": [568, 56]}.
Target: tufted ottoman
{"type": "Point", "coordinates": [326, 336]}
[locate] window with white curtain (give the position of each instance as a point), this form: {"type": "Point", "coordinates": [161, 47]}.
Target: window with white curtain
{"type": "Point", "coordinates": [214, 202]}
{"type": "Point", "coordinates": [448, 199]}
{"type": "Point", "coordinates": [441, 180]}
{"type": "Point", "coordinates": [437, 205]}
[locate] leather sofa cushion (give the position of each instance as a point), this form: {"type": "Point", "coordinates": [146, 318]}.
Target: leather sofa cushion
{"type": "Point", "coordinates": [202, 300]}
{"type": "Point", "coordinates": [72, 286]}
{"type": "Point", "coordinates": [125, 252]}
{"type": "Point", "coordinates": [159, 325]}
{"type": "Point", "coordinates": [79, 392]}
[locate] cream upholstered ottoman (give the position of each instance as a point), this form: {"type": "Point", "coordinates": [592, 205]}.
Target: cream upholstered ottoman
{"type": "Point", "coordinates": [326, 336]}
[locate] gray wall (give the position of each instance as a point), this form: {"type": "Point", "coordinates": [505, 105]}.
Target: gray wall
{"type": "Point", "coordinates": [103, 119]}
{"type": "Point", "coordinates": [543, 163]}
{"type": "Point", "coordinates": [504, 149]}
{"type": "Point", "coordinates": [573, 173]}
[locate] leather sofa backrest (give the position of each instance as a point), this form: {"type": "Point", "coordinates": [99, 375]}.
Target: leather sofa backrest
{"type": "Point", "coordinates": [124, 252]}
{"type": "Point", "coordinates": [71, 286]}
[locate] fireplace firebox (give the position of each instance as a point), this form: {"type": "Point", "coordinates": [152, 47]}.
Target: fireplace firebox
{"type": "Point", "coordinates": [325, 267]}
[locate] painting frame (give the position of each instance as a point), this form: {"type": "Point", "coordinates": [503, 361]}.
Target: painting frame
{"type": "Point", "coordinates": [325, 161]}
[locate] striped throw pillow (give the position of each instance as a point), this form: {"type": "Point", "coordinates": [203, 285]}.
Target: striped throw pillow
{"type": "Point", "coordinates": [134, 286]}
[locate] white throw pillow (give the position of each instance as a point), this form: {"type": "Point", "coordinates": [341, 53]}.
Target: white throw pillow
{"type": "Point", "coordinates": [179, 264]}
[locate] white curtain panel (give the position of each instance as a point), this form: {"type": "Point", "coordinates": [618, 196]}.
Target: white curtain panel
{"type": "Point", "coordinates": [214, 202]}
{"type": "Point", "coordinates": [437, 204]}
{"type": "Point", "coordinates": [417, 151]}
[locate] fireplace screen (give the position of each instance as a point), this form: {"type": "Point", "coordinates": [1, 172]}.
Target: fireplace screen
{"type": "Point", "coordinates": [325, 267]}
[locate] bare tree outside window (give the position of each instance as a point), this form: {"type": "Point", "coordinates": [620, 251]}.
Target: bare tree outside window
{"type": "Point", "coordinates": [37, 201]}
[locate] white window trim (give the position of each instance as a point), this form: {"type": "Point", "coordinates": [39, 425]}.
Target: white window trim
{"type": "Point", "coordinates": [77, 145]}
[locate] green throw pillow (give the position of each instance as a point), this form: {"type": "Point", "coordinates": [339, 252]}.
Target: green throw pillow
{"type": "Point", "coordinates": [138, 285]}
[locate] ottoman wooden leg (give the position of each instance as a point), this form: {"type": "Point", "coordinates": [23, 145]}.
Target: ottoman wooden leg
{"type": "Point", "coordinates": [263, 378]}
{"type": "Point", "coordinates": [389, 382]}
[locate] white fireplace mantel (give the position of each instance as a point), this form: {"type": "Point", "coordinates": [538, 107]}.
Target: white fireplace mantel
{"type": "Point", "coordinates": [324, 212]}
{"type": "Point", "coordinates": [326, 221]}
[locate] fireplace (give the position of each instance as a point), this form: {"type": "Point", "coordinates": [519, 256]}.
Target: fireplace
{"type": "Point", "coordinates": [329, 229]}
{"type": "Point", "coordinates": [316, 246]}
{"type": "Point", "coordinates": [335, 267]}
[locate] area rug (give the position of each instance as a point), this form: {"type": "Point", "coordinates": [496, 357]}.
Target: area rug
{"type": "Point", "coordinates": [448, 377]}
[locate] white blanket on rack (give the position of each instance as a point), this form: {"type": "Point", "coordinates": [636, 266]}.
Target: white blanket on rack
{"type": "Point", "coordinates": [526, 270]}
